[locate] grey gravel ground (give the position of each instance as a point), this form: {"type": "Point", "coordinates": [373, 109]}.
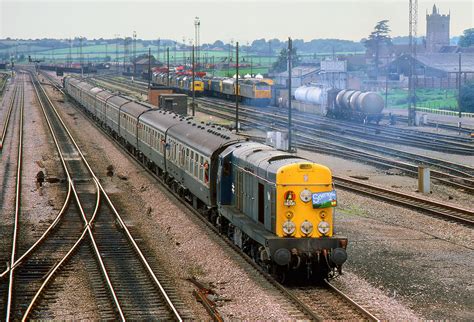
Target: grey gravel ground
{"type": "Point", "coordinates": [41, 205]}
{"type": "Point", "coordinates": [418, 260]}
{"type": "Point", "coordinates": [415, 259]}
{"type": "Point", "coordinates": [411, 265]}
{"type": "Point", "coordinates": [174, 235]}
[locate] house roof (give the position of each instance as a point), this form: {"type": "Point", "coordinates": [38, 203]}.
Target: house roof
{"type": "Point", "coordinates": [447, 62]}
{"type": "Point", "coordinates": [299, 71]}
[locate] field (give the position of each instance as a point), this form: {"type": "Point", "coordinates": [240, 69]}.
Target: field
{"type": "Point", "coordinates": [112, 52]}
{"type": "Point", "coordinates": [431, 98]}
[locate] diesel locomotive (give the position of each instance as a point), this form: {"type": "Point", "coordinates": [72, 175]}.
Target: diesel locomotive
{"type": "Point", "coordinates": [251, 91]}
{"type": "Point", "coordinates": [278, 208]}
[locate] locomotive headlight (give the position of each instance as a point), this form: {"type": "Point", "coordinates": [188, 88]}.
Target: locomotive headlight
{"type": "Point", "coordinates": [306, 227]}
{"type": "Point", "coordinates": [323, 227]}
{"type": "Point", "coordinates": [289, 227]}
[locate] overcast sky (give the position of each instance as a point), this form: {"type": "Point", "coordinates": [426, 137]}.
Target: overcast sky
{"type": "Point", "coordinates": [241, 20]}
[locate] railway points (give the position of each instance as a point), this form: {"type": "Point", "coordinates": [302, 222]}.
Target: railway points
{"type": "Point", "coordinates": [282, 179]}
{"type": "Point", "coordinates": [304, 310]}
{"type": "Point", "coordinates": [389, 197]}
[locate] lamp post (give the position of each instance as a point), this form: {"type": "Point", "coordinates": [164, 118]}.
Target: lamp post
{"type": "Point", "coordinates": [192, 86]}
{"type": "Point", "coordinates": [197, 25]}
{"type": "Point", "coordinates": [459, 88]}
{"type": "Point", "coordinates": [237, 87]}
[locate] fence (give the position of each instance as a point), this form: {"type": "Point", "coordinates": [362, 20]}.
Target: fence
{"type": "Point", "coordinates": [444, 112]}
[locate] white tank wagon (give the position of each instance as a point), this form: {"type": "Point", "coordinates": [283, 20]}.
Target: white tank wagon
{"type": "Point", "coordinates": [311, 99]}
{"type": "Point", "coordinates": [343, 104]}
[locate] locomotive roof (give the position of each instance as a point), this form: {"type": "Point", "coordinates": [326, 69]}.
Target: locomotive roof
{"type": "Point", "coordinates": [262, 160]}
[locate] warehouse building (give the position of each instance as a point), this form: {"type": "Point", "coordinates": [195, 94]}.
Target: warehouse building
{"type": "Point", "coordinates": [436, 70]}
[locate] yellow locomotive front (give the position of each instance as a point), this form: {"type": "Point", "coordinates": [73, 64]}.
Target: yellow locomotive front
{"type": "Point", "coordinates": [198, 86]}
{"type": "Point", "coordinates": [304, 223]}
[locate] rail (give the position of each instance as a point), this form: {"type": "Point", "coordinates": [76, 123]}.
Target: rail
{"type": "Point", "coordinates": [314, 316]}
{"type": "Point", "coordinates": [87, 229]}
{"type": "Point", "coordinates": [445, 210]}
{"type": "Point", "coordinates": [369, 315]}
{"type": "Point", "coordinates": [20, 102]}
{"type": "Point", "coordinates": [130, 238]}
{"type": "Point", "coordinates": [7, 117]}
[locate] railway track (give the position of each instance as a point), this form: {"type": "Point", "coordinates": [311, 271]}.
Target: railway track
{"type": "Point", "coordinates": [450, 212]}
{"type": "Point", "coordinates": [352, 133]}
{"type": "Point", "coordinates": [447, 211]}
{"type": "Point", "coordinates": [449, 173]}
{"type": "Point", "coordinates": [305, 309]}
{"type": "Point", "coordinates": [452, 174]}
{"type": "Point", "coordinates": [6, 119]}
{"type": "Point", "coordinates": [463, 130]}
{"type": "Point", "coordinates": [437, 142]}
{"type": "Point", "coordinates": [17, 103]}
{"type": "Point", "coordinates": [125, 285]}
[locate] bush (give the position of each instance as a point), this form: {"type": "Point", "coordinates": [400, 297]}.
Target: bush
{"type": "Point", "coordinates": [401, 101]}
{"type": "Point", "coordinates": [467, 98]}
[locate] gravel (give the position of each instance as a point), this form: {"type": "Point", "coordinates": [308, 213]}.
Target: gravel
{"type": "Point", "coordinates": [390, 178]}
{"type": "Point", "coordinates": [174, 235]}
{"type": "Point", "coordinates": [402, 264]}
{"type": "Point", "coordinates": [42, 204]}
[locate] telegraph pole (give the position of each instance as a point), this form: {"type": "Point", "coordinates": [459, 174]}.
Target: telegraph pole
{"type": "Point", "coordinates": [237, 88]}
{"type": "Point", "coordinates": [134, 53]}
{"type": "Point", "coordinates": [149, 67]}
{"type": "Point", "coordinates": [197, 25]}
{"type": "Point", "coordinates": [459, 88]}
{"type": "Point", "coordinates": [116, 53]}
{"type": "Point", "coordinates": [412, 24]}
{"type": "Point", "coordinates": [168, 64]}
{"type": "Point", "coordinates": [290, 48]}
{"type": "Point", "coordinates": [158, 50]}
{"type": "Point", "coordinates": [194, 94]}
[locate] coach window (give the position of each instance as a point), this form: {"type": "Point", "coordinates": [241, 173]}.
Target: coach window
{"type": "Point", "coordinates": [201, 168]}
{"type": "Point", "coordinates": [182, 157]}
{"type": "Point", "coordinates": [187, 160]}
{"type": "Point", "coordinates": [196, 164]}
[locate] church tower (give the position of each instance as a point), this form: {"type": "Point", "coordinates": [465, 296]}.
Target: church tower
{"type": "Point", "coordinates": [437, 31]}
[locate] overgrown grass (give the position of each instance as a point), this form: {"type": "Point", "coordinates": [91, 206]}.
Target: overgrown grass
{"type": "Point", "coordinates": [432, 98]}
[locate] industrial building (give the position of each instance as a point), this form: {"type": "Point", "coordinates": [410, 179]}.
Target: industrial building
{"type": "Point", "coordinates": [436, 70]}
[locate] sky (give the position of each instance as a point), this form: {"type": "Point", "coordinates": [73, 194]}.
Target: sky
{"type": "Point", "coordinates": [238, 20]}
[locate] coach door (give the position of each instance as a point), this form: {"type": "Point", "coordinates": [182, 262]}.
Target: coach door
{"type": "Point", "coordinates": [239, 190]}
{"type": "Point", "coordinates": [261, 203]}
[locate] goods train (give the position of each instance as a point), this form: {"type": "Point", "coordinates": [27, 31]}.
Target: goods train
{"type": "Point", "coordinates": [252, 91]}
{"type": "Point", "coordinates": [278, 208]}
{"type": "Point", "coordinates": [344, 104]}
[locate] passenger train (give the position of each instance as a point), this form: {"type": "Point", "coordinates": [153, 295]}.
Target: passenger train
{"type": "Point", "coordinates": [277, 207]}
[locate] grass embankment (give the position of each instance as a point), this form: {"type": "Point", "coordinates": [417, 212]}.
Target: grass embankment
{"type": "Point", "coordinates": [431, 98]}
